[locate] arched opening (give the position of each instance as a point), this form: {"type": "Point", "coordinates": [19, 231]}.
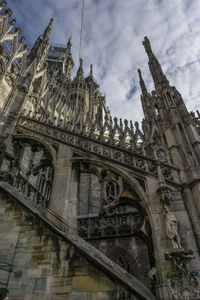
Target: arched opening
{"type": "Point", "coordinates": [32, 172]}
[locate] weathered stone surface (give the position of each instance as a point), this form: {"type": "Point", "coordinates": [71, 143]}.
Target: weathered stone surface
{"type": "Point", "coordinates": [108, 211]}
{"type": "Point", "coordinates": [49, 262]}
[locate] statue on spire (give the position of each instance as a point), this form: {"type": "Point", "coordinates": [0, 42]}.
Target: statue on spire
{"type": "Point", "coordinates": [80, 73]}
{"type": "Point", "coordinates": [69, 45]}
{"type": "Point", "coordinates": [147, 45]}
{"type": "Point", "coordinates": [69, 62]}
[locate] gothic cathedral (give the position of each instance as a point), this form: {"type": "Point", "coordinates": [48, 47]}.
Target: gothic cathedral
{"type": "Point", "coordinates": [93, 207]}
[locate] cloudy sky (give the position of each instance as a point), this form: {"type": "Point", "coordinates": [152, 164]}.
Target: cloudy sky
{"type": "Point", "coordinates": [112, 41]}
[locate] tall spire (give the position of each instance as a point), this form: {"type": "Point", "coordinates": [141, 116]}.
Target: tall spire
{"type": "Point", "coordinates": [40, 48]}
{"type": "Point", "coordinates": [156, 71]}
{"type": "Point", "coordinates": [142, 83]}
{"type": "Point", "coordinates": [146, 99]}
{"type": "Point", "coordinates": [80, 73]}
{"type": "Point", "coordinates": [69, 62]}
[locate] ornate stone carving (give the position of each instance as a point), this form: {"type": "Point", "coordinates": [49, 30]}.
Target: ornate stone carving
{"type": "Point", "coordinates": [186, 287]}
{"type": "Point", "coordinates": [127, 158]}
{"type": "Point", "coordinates": [165, 195]}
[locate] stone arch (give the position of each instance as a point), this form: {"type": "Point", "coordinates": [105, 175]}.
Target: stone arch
{"type": "Point", "coordinates": [134, 183]}
{"type": "Point", "coordinates": [136, 186]}
{"type": "Point", "coordinates": [33, 172]}
{"type": "Point", "coordinates": [41, 141]}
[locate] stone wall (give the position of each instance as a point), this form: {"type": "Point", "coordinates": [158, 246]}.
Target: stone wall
{"type": "Point", "coordinates": [44, 264]}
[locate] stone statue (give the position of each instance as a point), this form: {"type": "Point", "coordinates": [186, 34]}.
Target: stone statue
{"type": "Point", "coordinates": [171, 224]}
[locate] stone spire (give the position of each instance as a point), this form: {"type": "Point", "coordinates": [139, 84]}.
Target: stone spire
{"type": "Point", "coordinates": [156, 71]}
{"type": "Point", "coordinates": [69, 62]}
{"type": "Point", "coordinates": [40, 48]}
{"type": "Point", "coordinates": [69, 45]}
{"type": "Point", "coordinates": [146, 99]}
{"type": "Point", "coordinates": [142, 83]}
{"type": "Point", "coordinates": [91, 71]}
{"type": "Point", "coordinates": [80, 73]}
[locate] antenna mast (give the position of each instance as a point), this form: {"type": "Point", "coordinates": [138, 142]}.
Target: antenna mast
{"type": "Point", "coordinates": [82, 16]}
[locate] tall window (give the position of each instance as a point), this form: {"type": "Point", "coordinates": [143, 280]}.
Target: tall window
{"type": "Point", "coordinates": [111, 191]}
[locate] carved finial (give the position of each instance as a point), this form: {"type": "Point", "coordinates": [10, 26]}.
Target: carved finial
{"type": "Point", "coordinates": [137, 125]}
{"type": "Point", "coordinates": [91, 71]}
{"type": "Point", "coordinates": [2, 4]}
{"type": "Point", "coordinates": [18, 30]}
{"type": "Point", "coordinates": [126, 123]}
{"type": "Point", "coordinates": [131, 125]}
{"type": "Point", "coordinates": [121, 124]}
{"type": "Point", "coordinates": [147, 45]}
{"type": "Point", "coordinates": [8, 12]}
{"type": "Point", "coordinates": [12, 22]}
{"type": "Point", "coordinates": [115, 121]}
{"type": "Point", "coordinates": [48, 28]}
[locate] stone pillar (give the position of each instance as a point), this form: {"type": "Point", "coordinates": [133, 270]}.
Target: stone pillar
{"type": "Point", "coordinates": [64, 196]}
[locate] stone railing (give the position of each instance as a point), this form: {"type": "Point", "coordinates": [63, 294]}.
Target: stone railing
{"type": "Point", "coordinates": [30, 192]}
{"type": "Point", "coordinates": [100, 148]}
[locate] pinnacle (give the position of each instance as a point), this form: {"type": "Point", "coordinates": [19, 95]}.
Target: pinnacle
{"type": "Point", "coordinates": [91, 71]}
{"type": "Point", "coordinates": [142, 83]}
{"type": "Point", "coordinates": [147, 45]}
{"type": "Point", "coordinates": [158, 76]}
{"type": "Point", "coordinates": [48, 28]}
